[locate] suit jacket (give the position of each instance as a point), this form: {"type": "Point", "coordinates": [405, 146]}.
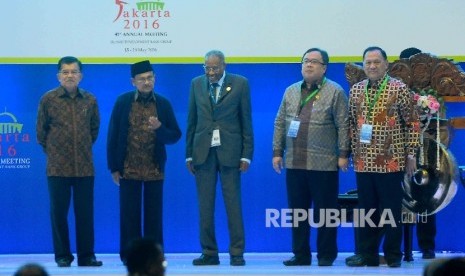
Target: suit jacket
{"type": "Point", "coordinates": [232, 115]}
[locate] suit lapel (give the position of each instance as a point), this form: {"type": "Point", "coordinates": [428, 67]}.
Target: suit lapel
{"type": "Point", "coordinates": [226, 89]}
{"type": "Point", "coordinates": [205, 94]}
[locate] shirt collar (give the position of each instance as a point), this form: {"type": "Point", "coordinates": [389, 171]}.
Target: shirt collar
{"type": "Point", "coordinates": [63, 92]}
{"type": "Point", "coordinates": [150, 98]}
{"type": "Point", "coordinates": [220, 81]}
{"type": "Point", "coordinates": [314, 86]}
{"type": "Point", "coordinates": [376, 83]}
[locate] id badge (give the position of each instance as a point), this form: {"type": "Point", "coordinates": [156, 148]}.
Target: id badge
{"type": "Point", "coordinates": [366, 133]}
{"type": "Point", "coordinates": [293, 128]}
{"type": "Point", "coordinates": [216, 138]}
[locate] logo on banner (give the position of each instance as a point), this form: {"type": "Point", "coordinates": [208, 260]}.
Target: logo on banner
{"type": "Point", "coordinates": [141, 26]}
{"type": "Point", "coordinates": [12, 138]}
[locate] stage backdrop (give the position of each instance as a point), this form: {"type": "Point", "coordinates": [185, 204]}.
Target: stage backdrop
{"type": "Point", "coordinates": [24, 218]}
{"type": "Point", "coordinates": [263, 40]}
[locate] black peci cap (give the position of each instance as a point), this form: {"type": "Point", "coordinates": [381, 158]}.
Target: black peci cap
{"type": "Point", "coordinates": [141, 67]}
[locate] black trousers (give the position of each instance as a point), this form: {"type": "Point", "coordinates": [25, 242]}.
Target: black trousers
{"type": "Point", "coordinates": [320, 188]}
{"type": "Point", "coordinates": [426, 233]}
{"type": "Point", "coordinates": [134, 197]}
{"type": "Point", "coordinates": [383, 193]}
{"type": "Point", "coordinates": [60, 191]}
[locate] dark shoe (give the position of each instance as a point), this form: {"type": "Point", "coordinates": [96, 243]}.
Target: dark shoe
{"type": "Point", "coordinates": [359, 260]}
{"type": "Point", "coordinates": [90, 262]}
{"type": "Point", "coordinates": [394, 264]}
{"type": "Point", "coordinates": [428, 254]}
{"type": "Point", "coordinates": [325, 262]}
{"type": "Point", "coordinates": [352, 257]}
{"type": "Point", "coordinates": [296, 261]}
{"type": "Point", "coordinates": [64, 263]}
{"type": "Point", "coordinates": [206, 260]}
{"type": "Point", "coordinates": [237, 261]}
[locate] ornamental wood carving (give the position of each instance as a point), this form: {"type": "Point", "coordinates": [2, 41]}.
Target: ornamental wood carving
{"type": "Point", "coordinates": [420, 72]}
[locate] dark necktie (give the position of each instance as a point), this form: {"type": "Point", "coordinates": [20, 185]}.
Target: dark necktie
{"type": "Point", "coordinates": [213, 91]}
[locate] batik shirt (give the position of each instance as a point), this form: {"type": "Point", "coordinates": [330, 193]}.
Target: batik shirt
{"type": "Point", "coordinates": [323, 133]}
{"type": "Point", "coordinates": [66, 129]}
{"type": "Point", "coordinates": [140, 163]}
{"type": "Point", "coordinates": [395, 132]}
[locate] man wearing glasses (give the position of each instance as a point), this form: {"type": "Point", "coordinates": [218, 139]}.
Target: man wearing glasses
{"type": "Point", "coordinates": [311, 133]}
{"type": "Point", "coordinates": [141, 124]}
{"type": "Point", "coordinates": [219, 142]}
{"type": "Point", "coordinates": [68, 123]}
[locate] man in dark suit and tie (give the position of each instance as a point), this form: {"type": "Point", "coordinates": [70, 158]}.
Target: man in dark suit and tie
{"type": "Point", "coordinates": [219, 142]}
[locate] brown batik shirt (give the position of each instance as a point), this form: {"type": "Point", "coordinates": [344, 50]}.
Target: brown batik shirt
{"type": "Point", "coordinates": [395, 122]}
{"type": "Point", "coordinates": [66, 129]}
{"type": "Point", "coordinates": [139, 163]}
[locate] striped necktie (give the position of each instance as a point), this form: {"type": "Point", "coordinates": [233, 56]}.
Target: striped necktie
{"type": "Point", "coordinates": [214, 91]}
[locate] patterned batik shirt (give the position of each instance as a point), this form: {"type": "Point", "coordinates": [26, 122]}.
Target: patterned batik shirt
{"type": "Point", "coordinates": [323, 133]}
{"type": "Point", "coordinates": [66, 129]}
{"type": "Point", "coordinates": [139, 163]}
{"type": "Point", "coordinates": [395, 125]}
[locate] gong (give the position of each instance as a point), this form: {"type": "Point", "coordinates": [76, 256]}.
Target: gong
{"type": "Point", "coordinates": [433, 185]}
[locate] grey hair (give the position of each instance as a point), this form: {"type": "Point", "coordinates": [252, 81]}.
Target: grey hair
{"type": "Point", "coordinates": [215, 53]}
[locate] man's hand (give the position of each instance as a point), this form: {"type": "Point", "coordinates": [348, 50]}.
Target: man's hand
{"type": "Point", "coordinates": [411, 166]}
{"type": "Point", "coordinates": [154, 123]}
{"type": "Point", "coordinates": [277, 164]}
{"type": "Point", "coordinates": [116, 177]}
{"type": "Point", "coordinates": [190, 167]}
{"type": "Point", "coordinates": [244, 166]}
{"type": "Point", "coordinates": [343, 164]}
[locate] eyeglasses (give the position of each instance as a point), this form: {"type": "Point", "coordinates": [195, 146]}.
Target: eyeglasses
{"type": "Point", "coordinates": [143, 80]}
{"type": "Point", "coordinates": [70, 73]}
{"type": "Point", "coordinates": [312, 62]}
{"type": "Point", "coordinates": [370, 63]}
{"type": "Point", "coordinates": [215, 69]}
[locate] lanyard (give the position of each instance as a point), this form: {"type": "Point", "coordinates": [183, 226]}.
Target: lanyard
{"type": "Point", "coordinates": [371, 104]}
{"type": "Point", "coordinates": [313, 94]}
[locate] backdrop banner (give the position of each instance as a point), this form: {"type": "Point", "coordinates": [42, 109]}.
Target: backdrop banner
{"type": "Point", "coordinates": [174, 31]}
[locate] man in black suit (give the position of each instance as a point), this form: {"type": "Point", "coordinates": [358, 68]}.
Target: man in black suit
{"type": "Point", "coordinates": [219, 142]}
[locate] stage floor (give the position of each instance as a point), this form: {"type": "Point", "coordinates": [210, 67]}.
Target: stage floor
{"type": "Point", "coordinates": [181, 264]}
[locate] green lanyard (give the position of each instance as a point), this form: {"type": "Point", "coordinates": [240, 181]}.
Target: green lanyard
{"type": "Point", "coordinates": [371, 104]}
{"type": "Point", "coordinates": [313, 94]}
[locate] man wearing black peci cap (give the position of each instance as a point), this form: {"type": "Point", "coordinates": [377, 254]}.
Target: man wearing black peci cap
{"type": "Point", "coordinates": [141, 124]}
